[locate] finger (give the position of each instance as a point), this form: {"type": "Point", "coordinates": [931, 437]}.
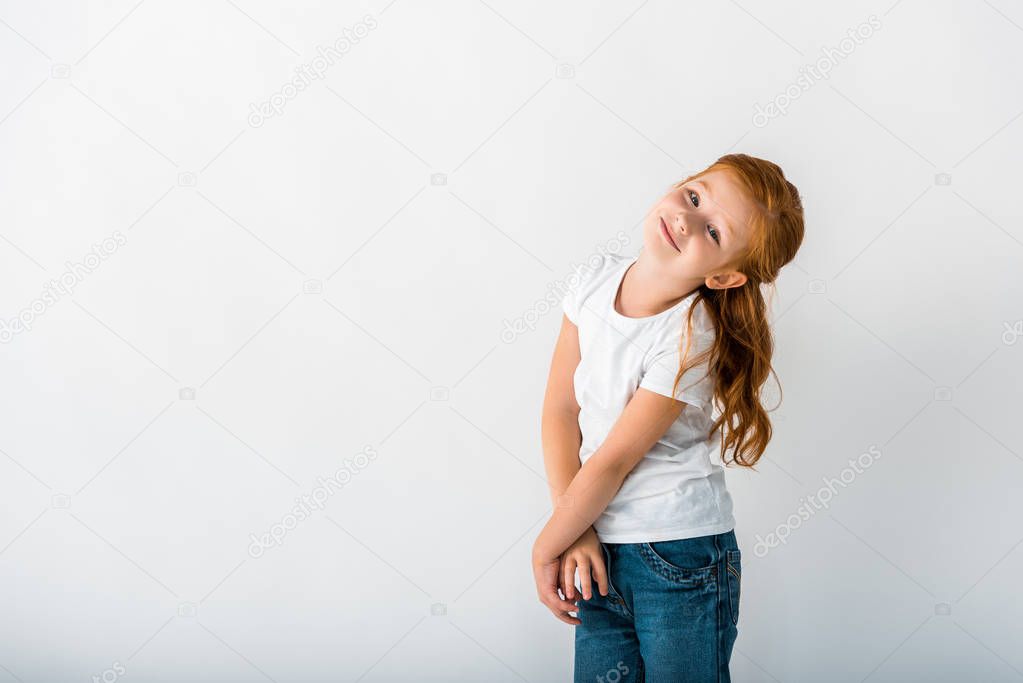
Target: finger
{"type": "Point", "coordinates": [555, 603]}
{"type": "Point", "coordinates": [562, 612]}
{"type": "Point", "coordinates": [599, 570]}
{"type": "Point", "coordinates": [584, 579]}
{"type": "Point", "coordinates": [568, 578]}
{"type": "Point", "coordinates": [568, 619]}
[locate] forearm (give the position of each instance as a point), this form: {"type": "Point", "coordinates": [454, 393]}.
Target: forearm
{"type": "Point", "coordinates": [589, 493]}
{"type": "Point", "coordinates": [561, 441]}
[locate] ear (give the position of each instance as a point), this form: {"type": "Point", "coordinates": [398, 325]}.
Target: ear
{"type": "Point", "coordinates": [726, 280]}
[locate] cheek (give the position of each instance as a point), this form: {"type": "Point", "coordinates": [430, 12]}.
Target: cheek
{"type": "Point", "coordinates": [709, 252]}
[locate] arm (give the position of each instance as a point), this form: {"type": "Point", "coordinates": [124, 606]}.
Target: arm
{"type": "Point", "coordinates": [643, 421]}
{"type": "Point", "coordinates": [560, 423]}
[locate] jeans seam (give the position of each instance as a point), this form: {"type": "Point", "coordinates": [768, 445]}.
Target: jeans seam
{"type": "Point", "coordinates": [733, 610]}
{"type": "Point", "coordinates": [693, 578]}
{"type": "Point", "coordinates": [611, 590]}
{"type": "Point", "coordinates": [722, 585]}
{"type": "Point", "coordinates": [733, 558]}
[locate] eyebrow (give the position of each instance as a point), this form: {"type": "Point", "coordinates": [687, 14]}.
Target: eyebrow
{"type": "Point", "coordinates": [727, 226]}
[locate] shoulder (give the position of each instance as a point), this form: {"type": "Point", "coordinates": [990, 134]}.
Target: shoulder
{"type": "Point", "coordinates": [594, 271]}
{"type": "Point", "coordinates": [703, 323]}
{"type": "Point", "coordinates": [587, 277]}
{"type": "Point", "coordinates": [596, 266]}
{"type": "Point", "coordinates": [674, 326]}
{"type": "Point", "coordinates": [664, 359]}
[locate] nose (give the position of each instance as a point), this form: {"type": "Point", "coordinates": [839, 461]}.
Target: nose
{"type": "Point", "coordinates": [680, 222]}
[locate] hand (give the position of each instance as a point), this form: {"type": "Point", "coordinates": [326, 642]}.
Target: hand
{"type": "Point", "coordinates": [545, 573]}
{"type": "Point", "coordinates": [586, 555]}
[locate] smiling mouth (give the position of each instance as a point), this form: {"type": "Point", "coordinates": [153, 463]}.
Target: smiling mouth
{"type": "Point", "coordinates": [667, 235]}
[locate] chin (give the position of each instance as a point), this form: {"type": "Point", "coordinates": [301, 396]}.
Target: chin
{"type": "Point", "coordinates": [652, 239]}
{"type": "Point", "coordinates": [654, 242]}
{"type": "Point", "coordinates": [648, 242]}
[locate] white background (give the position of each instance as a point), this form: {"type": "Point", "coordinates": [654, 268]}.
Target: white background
{"type": "Point", "coordinates": [319, 294]}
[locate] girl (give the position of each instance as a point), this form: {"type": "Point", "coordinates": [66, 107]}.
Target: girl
{"type": "Point", "coordinates": [650, 349]}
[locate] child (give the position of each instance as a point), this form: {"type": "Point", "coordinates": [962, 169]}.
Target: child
{"type": "Point", "coordinates": [650, 350]}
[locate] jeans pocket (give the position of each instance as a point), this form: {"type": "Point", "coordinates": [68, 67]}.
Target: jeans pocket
{"type": "Point", "coordinates": [733, 565]}
{"type": "Point", "coordinates": [688, 561]}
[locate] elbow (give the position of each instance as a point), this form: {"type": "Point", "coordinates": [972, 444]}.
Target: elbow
{"type": "Point", "coordinates": [613, 466]}
{"type": "Point", "coordinates": [563, 411]}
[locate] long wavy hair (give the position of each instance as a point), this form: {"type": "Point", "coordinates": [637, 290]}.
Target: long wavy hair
{"type": "Point", "coordinates": [740, 357]}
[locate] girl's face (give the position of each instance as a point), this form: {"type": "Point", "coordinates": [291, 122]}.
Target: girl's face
{"type": "Point", "coordinates": [701, 229]}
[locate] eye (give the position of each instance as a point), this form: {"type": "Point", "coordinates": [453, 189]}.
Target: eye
{"type": "Point", "coordinates": [714, 233]}
{"type": "Point", "coordinates": [695, 199]}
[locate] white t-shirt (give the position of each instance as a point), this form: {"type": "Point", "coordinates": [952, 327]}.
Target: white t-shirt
{"type": "Point", "coordinates": [678, 489]}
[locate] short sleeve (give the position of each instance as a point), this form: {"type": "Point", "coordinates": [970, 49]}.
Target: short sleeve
{"type": "Point", "coordinates": [696, 387]}
{"type": "Point", "coordinates": [570, 306]}
{"type": "Point", "coordinates": [580, 282]}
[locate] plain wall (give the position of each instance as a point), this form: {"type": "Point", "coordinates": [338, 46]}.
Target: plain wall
{"type": "Point", "coordinates": [222, 305]}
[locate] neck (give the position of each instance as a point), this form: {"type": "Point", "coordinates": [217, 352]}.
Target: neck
{"type": "Point", "coordinates": [645, 290]}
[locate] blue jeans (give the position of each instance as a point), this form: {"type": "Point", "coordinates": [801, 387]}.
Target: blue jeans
{"type": "Point", "coordinates": [670, 615]}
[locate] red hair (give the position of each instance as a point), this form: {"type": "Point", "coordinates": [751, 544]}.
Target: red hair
{"type": "Point", "coordinates": [740, 357]}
